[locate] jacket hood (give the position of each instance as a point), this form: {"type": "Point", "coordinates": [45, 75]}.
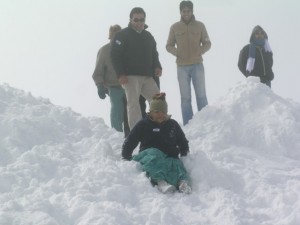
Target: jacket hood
{"type": "Point", "coordinates": [255, 29]}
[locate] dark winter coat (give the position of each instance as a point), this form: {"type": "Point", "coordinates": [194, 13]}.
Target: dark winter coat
{"type": "Point", "coordinates": [134, 53]}
{"type": "Point", "coordinates": [263, 60]}
{"type": "Point", "coordinates": [167, 137]}
{"type": "Point", "coordinates": [262, 66]}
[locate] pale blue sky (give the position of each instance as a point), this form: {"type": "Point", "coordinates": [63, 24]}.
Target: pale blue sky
{"type": "Point", "coordinates": [49, 47]}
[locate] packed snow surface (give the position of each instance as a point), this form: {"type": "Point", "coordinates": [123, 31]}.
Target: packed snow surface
{"type": "Point", "coordinates": [60, 168]}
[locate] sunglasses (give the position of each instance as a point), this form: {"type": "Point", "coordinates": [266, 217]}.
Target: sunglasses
{"type": "Point", "coordinates": [136, 20]}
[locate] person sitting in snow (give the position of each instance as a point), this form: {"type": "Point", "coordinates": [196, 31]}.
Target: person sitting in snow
{"type": "Point", "coordinates": [256, 58]}
{"type": "Point", "coordinates": [161, 142]}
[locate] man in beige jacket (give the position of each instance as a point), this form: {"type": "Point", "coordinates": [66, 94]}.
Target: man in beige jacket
{"type": "Point", "coordinates": [188, 40]}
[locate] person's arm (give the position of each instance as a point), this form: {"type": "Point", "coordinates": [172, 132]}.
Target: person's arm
{"type": "Point", "coordinates": [131, 141]}
{"type": "Point", "coordinates": [243, 61]}
{"type": "Point", "coordinates": [98, 75]}
{"type": "Point", "coordinates": [205, 41]}
{"type": "Point", "coordinates": [269, 58]}
{"type": "Point", "coordinates": [117, 53]}
{"type": "Point", "coordinates": [155, 59]}
{"type": "Point", "coordinates": [170, 46]}
{"type": "Point", "coordinates": [99, 72]}
{"type": "Point", "coordinates": [182, 142]}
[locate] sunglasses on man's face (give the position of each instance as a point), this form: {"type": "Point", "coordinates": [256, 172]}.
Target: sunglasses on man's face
{"type": "Point", "coordinates": [136, 20]}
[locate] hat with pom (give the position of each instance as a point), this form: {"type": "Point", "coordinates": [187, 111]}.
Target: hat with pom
{"type": "Point", "coordinates": [159, 103]}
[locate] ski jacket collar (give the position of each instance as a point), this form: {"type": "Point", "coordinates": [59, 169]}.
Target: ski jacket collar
{"type": "Point", "coordinates": [193, 19]}
{"type": "Point", "coordinates": [145, 27]}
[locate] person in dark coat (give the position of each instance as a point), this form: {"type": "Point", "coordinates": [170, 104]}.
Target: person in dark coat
{"type": "Point", "coordinates": [135, 59]}
{"type": "Point", "coordinates": [256, 58]}
{"type": "Point", "coordinates": [107, 83]}
{"type": "Point", "coordinates": [161, 142]}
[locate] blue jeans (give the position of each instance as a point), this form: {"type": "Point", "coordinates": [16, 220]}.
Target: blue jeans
{"type": "Point", "coordinates": [186, 74]}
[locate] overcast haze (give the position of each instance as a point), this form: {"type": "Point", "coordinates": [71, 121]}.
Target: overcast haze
{"type": "Point", "coordinates": [49, 48]}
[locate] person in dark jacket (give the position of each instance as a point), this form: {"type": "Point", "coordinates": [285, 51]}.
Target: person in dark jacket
{"type": "Point", "coordinates": [135, 60]}
{"type": "Point", "coordinates": [161, 142]}
{"type": "Point", "coordinates": [256, 58]}
{"type": "Point", "coordinates": [107, 83]}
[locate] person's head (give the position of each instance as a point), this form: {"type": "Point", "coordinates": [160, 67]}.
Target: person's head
{"type": "Point", "coordinates": [137, 19]}
{"type": "Point", "coordinates": [158, 108]}
{"type": "Point", "coordinates": [258, 33]}
{"type": "Point", "coordinates": [113, 30]}
{"type": "Point", "coordinates": [186, 10]}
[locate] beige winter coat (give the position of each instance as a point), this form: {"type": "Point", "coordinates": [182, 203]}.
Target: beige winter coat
{"type": "Point", "coordinates": [188, 42]}
{"type": "Point", "coordinates": [104, 72]}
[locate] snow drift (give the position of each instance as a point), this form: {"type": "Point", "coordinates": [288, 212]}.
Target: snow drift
{"type": "Point", "coordinates": [58, 167]}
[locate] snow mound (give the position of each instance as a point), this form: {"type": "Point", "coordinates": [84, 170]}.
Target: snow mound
{"type": "Point", "coordinates": [57, 167]}
{"type": "Point", "coordinates": [252, 116]}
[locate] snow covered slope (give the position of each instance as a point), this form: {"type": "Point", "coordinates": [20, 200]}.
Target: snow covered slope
{"type": "Point", "coordinates": [57, 167]}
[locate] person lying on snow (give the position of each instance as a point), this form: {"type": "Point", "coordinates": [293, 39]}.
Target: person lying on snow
{"type": "Point", "coordinates": [161, 142]}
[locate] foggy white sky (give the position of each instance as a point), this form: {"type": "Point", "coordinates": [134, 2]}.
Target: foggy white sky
{"type": "Point", "coordinates": [49, 48]}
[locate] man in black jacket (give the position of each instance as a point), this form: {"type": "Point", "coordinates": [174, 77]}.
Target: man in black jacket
{"type": "Point", "coordinates": [135, 60]}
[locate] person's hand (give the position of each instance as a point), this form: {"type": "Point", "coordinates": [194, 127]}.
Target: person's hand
{"type": "Point", "coordinates": [123, 79]}
{"type": "Point", "coordinates": [101, 91]}
{"type": "Point", "coordinates": [127, 158]}
{"type": "Point", "coordinates": [157, 72]}
{"type": "Point", "coordinates": [264, 80]}
{"type": "Point", "coordinates": [184, 153]}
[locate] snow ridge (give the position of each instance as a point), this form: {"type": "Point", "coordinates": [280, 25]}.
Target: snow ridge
{"type": "Point", "coordinates": [57, 167]}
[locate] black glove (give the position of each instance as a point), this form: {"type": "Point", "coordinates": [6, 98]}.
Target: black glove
{"type": "Point", "coordinates": [127, 158]}
{"type": "Point", "coordinates": [264, 79]}
{"type": "Point", "coordinates": [101, 91]}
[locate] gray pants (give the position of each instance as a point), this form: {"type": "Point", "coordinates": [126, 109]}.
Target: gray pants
{"type": "Point", "coordinates": [136, 86]}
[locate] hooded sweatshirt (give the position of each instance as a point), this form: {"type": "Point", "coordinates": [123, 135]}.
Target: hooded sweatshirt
{"type": "Point", "coordinates": [263, 59]}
